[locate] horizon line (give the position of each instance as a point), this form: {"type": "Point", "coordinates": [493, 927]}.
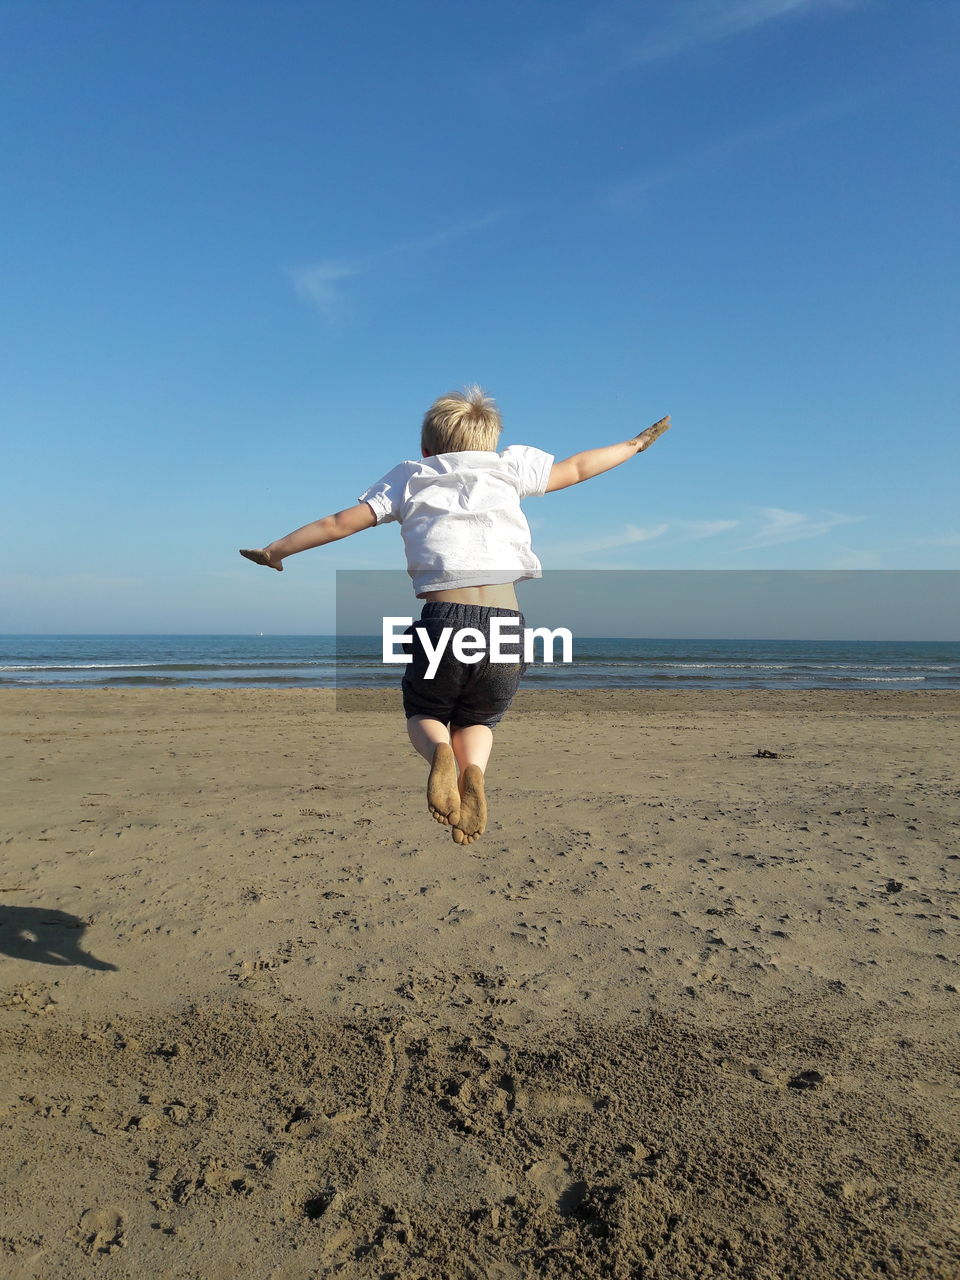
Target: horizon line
{"type": "Point", "coordinates": [372, 635]}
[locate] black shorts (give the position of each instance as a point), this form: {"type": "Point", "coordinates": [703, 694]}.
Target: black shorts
{"type": "Point", "coordinates": [461, 693]}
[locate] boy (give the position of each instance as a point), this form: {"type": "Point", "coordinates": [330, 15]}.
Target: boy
{"type": "Point", "coordinates": [467, 543]}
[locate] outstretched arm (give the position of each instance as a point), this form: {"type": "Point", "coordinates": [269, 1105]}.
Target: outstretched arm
{"type": "Point", "coordinates": [593, 462]}
{"type": "Point", "coordinates": [316, 534]}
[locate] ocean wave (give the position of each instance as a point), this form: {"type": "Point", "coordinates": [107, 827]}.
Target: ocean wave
{"type": "Point", "coordinates": [74, 666]}
{"type": "Point", "coordinates": [226, 665]}
{"type": "Point", "coordinates": [882, 679]}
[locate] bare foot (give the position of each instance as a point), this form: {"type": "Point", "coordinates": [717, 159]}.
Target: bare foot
{"type": "Point", "coordinates": [261, 556]}
{"type": "Point", "coordinates": [473, 807]}
{"type": "Point", "coordinates": [443, 795]}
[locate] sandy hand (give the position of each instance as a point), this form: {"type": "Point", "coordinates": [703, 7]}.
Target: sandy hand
{"type": "Point", "coordinates": [646, 438]}
{"type": "Point", "coordinates": [261, 556]}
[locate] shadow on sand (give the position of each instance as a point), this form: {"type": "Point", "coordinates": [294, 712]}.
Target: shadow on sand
{"type": "Point", "coordinates": [47, 937]}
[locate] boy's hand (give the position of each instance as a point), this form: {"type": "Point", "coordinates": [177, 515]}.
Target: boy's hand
{"type": "Point", "coordinates": [646, 438]}
{"type": "Point", "coordinates": [263, 556]}
{"type": "Point", "coordinates": [593, 462]}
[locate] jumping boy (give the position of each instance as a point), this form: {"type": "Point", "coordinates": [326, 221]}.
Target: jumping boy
{"type": "Point", "coordinates": [467, 543]}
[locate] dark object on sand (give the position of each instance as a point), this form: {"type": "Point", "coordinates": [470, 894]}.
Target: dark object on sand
{"type": "Point", "coordinates": [807, 1080]}
{"type": "Point", "coordinates": [764, 754]}
{"type": "Point", "coordinates": [894, 886]}
{"type": "Point", "coordinates": [45, 936]}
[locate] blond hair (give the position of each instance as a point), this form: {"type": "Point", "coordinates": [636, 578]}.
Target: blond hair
{"type": "Point", "coordinates": [460, 421]}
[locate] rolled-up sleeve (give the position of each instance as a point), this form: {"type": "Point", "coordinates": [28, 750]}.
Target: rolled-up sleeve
{"type": "Point", "coordinates": [532, 467]}
{"type": "Point", "coordinates": [385, 496]}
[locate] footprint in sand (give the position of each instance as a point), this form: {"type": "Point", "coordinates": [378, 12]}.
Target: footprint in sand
{"type": "Point", "coordinates": [100, 1231]}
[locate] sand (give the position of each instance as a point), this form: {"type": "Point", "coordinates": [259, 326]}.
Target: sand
{"type": "Point", "coordinates": [683, 1010]}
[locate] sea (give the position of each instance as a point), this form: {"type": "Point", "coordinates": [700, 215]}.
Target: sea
{"type": "Point", "coordinates": [291, 662]}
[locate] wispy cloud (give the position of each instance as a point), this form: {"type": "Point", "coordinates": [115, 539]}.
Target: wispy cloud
{"type": "Point", "coordinates": [950, 539]}
{"type": "Point", "coordinates": [320, 283]}
{"type": "Point", "coordinates": [693, 530]}
{"type": "Point", "coordinates": [629, 535]}
{"type": "Point", "coordinates": [619, 36]}
{"type": "Point", "coordinates": [779, 526]}
{"type": "Point", "coordinates": [626, 537]}
{"type": "Point", "coordinates": [690, 26]}
{"type": "Point", "coordinates": [767, 527]}
{"type": "Point", "coordinates": [629, 192]}
{"type": "Point", "coordinates": [443, 236]}
{"type": "Point", "coordinates": [763, 527]}
{"type": "Point", "coordinates": [70, 581]}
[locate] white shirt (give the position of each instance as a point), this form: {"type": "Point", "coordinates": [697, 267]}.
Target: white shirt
{"type": "Point", "coordinates": [460, 515]}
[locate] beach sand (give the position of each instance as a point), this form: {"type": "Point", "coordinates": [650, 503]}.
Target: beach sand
{"type": "Point", "coordinates": [683, 1011]}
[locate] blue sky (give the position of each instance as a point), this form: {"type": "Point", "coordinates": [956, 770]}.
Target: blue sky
{"type": "Point", "coordinates": [245, 245]}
